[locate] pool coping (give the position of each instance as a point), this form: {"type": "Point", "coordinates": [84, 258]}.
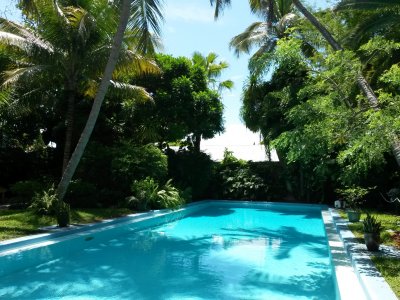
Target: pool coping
{"type": "Point", "coordinates": [351, 264]}
{"type": "Point", "coordinates": [371, 280]}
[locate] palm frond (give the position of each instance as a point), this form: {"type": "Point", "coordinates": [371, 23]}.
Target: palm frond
{"type": "Point", "coordinates": [367, 4]}
{"type": "Point", "coordinates": [369, 26]}
{"type": "Point", "coordinates": [220, 5]}
{"type": "Point", "coordinates": [254, 36]}
{"type": "Point", "coordinates": [226, 84]}
{"type": "Point", "coordinates": [145, 24]}
{"type": "Point", "coordinates": [133, 92]}
{"type": "Point", "coordinates": [12, 76]}
{"type": "Point", "coordinates": [17, 32]}
{"type": "Point", "coordinates": [131, 62]}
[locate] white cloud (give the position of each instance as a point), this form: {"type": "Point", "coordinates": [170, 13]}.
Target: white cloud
{"type": "Point", "coordinates": [188, 12]}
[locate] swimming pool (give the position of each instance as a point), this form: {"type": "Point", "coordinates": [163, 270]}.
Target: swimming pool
{"type": "Point", "coordinates": [210, 250]}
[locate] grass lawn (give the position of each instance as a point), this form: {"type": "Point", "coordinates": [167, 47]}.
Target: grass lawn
{"type": "Point", "coordinates": [17, 223]}
{"type": "Point", "coordinates": [388, 267]}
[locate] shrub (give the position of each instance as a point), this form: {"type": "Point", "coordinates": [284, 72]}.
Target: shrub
{"type": "Point", "coordinates": [82, 194]}
{"type": "Point", "coordinates": [144, 194]}
{"type": "Point", "coordinates": [169, 196]}
{"type": "Point", "coordinates": [136, 163]}
{"type": "Point", "coordinates": [24, 191]}
{"type": "Point", "coordinates": [194, 170]}
{"type": "Point", "coordinates": [43, 203]}
{"type": "Point", "coordinates": [240, 183]}
{"type": "Point", "coordinates": [148, 194]}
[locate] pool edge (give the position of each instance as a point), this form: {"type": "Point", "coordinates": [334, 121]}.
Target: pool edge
{"type": "Point", "coordinates": [371, 280]}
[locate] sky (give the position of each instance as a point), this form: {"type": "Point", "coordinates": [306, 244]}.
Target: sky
{"type": "Point", "coordinates": [189, 26]}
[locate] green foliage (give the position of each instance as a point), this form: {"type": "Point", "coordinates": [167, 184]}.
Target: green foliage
{"type": "Point", "coordinates": [82, 194]}
{"type": "Point", "coordinates": [25, 190]}
{"type": "Point", "coordinates": [144, 194]}
{"type": "Point", "coordinates": [354, 196]}
{"type": "Point", "coordinates": [148, 194]}
{"type": "Point", "coordinates": [193, 170]}
{"type": "Point", "coordinates": [183, 103]}
{"type": "Point", "coordinates": [44, 203]}
{"type": "Point", "coordinates": [132, 162]}
{"type": "Point", "coordinates": [239, 181]}
{"type": "Point", "coordinates": [372, 225]}
{"type": "Point", "coordinates": [169, 196]}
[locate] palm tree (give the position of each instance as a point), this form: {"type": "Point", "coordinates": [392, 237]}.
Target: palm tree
{"type": "Point", "coordinates": [361, 81]}
{"type": "Point", "coordinates": [213, 70]}
{"type": "Point", "coordinates": [65, 48]}
{"type": "Point", "coordinates": [263, 35]}
{"type": "Point", "coordinates": [378, 17]}
{"type": "Point", "coordinates": [143, 16]}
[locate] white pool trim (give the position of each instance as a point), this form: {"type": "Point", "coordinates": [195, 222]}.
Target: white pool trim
{"type": "Point", "coordinates": [372, 282]}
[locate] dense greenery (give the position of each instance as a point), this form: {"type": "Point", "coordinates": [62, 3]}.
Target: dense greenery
{"type": "Point", "coordinates": [302, 94]}
{"type": "Point", "coordinates": [311, 109]}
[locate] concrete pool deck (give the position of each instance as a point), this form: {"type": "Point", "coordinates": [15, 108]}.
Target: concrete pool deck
{"type": "Point", "coordinates": [373, 284]}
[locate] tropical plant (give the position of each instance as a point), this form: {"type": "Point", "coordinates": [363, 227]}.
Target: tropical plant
{"type": "Point", "coordinates": [185, 106]}
{"type": "Point", "coordinates": [213, 70]}
{"type": "Point", "coordinates": [372, 232]}
{"type": "Point", "coordinates": [372, 225]}
{"type": "Point", "coordinates": [375, 17]}
{"type": "Point", "coordinates": [63, 213]}
{"type": "Point", "coordinates": [62, 48]}
{"type": "Point", "coordinates": [264, 35]}
{"type": "Point", "coordinates": [169, 196]}
{"type": "Point", "coordinates": [44, 202]}
{"type": "Point", "coordinates": [144, 194]}
{"type": "Point", "coordinates": [354, 196]}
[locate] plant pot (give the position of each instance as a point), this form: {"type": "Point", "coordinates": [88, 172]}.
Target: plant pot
{"type": "Point", "coordinates": [372, 241]}
{"type": "Point", "coordinates": [63, 214]}
{"type": "Point", "coordinates": [353, 216]}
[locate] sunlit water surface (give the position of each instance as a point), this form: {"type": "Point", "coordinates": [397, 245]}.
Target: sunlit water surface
{"type": "Point", "coordinates": [216, 253]}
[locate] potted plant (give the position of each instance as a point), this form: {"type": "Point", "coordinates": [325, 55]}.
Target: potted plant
{"type": "Point", "coordinates": [354, 197]}
{"type": "Point", "coordinates": [372, 232]}
{"type": "Point", "coordinates": [63, 213]}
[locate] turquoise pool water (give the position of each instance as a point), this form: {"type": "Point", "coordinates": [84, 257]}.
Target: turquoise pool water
{"type": "Point", "coordinates": [227, 251]}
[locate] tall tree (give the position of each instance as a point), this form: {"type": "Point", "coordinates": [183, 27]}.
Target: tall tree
{"type": "Point", "coordinates": [143, 16]}
{"type": "Point", "coordinates": [362, 82]}
{"type": "Point", "coordinates": [61, 48]}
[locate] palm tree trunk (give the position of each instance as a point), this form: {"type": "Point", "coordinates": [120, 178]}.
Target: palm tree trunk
{"type": "Point", "coordinates": [361, 81]}
{"type": "Point", "coordinates": [98, 101]}
{"type": "Point", "coordinates": [69, 128]}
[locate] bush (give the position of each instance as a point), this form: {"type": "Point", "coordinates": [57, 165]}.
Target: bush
{"type": "Point", "coordinates": [144, 194]}
{"type": "Point", "coordinates": [194, 170]}
{"type": "Point", "coordinates": [148, 194]}
{"type": "Point", "coordinates": [24, 191]}
{"type": "Point", "coordinates": [169, 196]}
{"type": "Point", "coordinates": [82, 194]}
{"type": "Point", "coordinates": [136, 163]}
{"type": "Point", "coordinates": [43, 203]}
{"type": "Point", "coordinates": [240, 183]}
